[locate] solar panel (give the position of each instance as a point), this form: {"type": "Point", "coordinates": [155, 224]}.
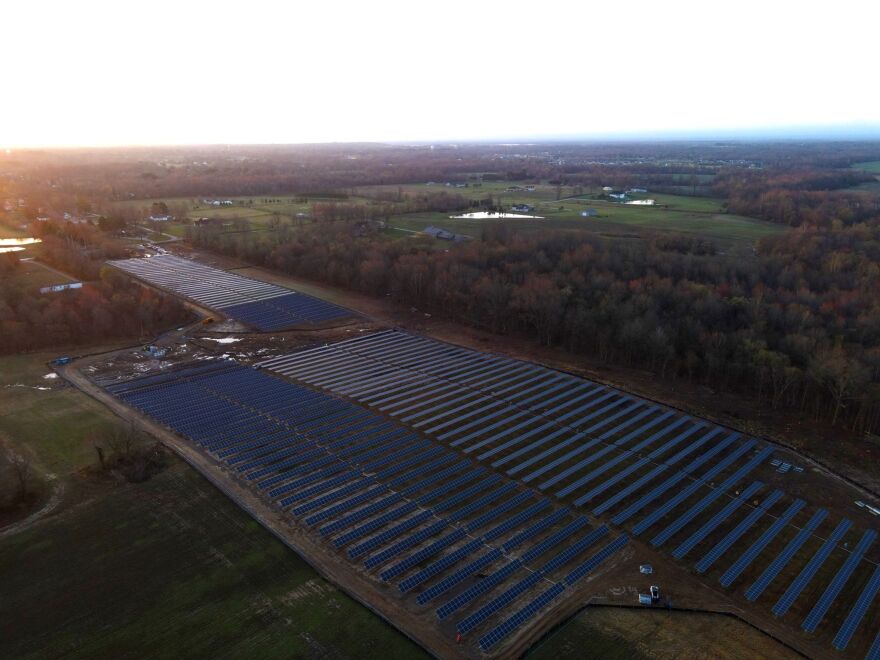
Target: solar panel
{"type": "Point", "coordinates": [516, 520]}
{"type": "Point", "coordinates": [734, 535]}
{"type": "Point", "coordinates": [425, 553]}
{"type": "Point", "coordinates": [482, 502]}
{"type": "Point", "coordinates": [467, 493]}
{"type": "Point", "coordinates": [574, 439]}
{"type": "Point", "coordinates": [485, 584]}
{"type": "Point", "coordinates": [463, 573]}
{"type": "Point", "coordinates": [506, 598]}
{"type": "Point", "coordinates": [683, 494]}
{"type": "Point", "coordinates": [625, 453]}
{"type": "Point", "coordinates": [405, 544]}
{"type": "Point", "coordinates": [450, 485]}
{"type": "Point", "coordinates": [535, 529]}
{"type": "Point", "coordinates": [392, 533]}
{"type": "Point", "coordinates": [360, 514]}
{"type": "Point", "coordinates": [854, 618]}
{"type": "Point", "coordinates": [593, 562]}
{"type": "Point", "coordinates": [785, 556]}
{"type": "Point", "coordinates": [716, 520]}
{"type": "Point", "coordinates": [630, 469]}
{"type": "Point", "coordinates": [874, 651]}
{"type": "Point", "coordinates": [837, 583]}
{"type": "Point", "coordinates": [554, 539]}
{"type": "Point", "coordinates": [374, 524]}
{"type": "Point", "coordinates": [803, 579]}
{"type": "Point", "coordinates": [715, 493]}
{"type": "Point", "coordinates": [647, 478]}
{"type": "Point", "coordinates": [440, 565]}
{"type": "Point", "coordinates": [577, 451]}
{"type": "Point", "coordinates": [332, 496]}
{"type": "Point", "coordinates": [574, 550]}
{"type": "Point", "coordinates": [504, 629]}
{"type": "Point", "coordinates": [501, 509]}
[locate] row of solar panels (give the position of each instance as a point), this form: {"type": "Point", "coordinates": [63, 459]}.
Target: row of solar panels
{"type": "Point", "coordinates": [617, 453]}
{"type": "Point", "coordinates": [260, 304]}
{"type": "Point", "coordinates": [402, 505]}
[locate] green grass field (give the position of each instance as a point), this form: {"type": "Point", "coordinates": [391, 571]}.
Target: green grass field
{"type": "Point", "coordinates": [34, 275]}
{"type": "Point", "coordinates": [612, 220]}
{"type": "Point", "coordinates": [166, 568]}
{"type": "Point", "coordinates": [701, 216]}
{"type": "Point", "coordinates": [870, 166]}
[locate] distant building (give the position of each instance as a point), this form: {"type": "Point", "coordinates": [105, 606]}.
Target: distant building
{"type": "Point", "coordinates": [646, 569]}
{"type": "Point", "coordinates": [644, 599]}
{"type": "Point", "coordinates": [618, 196]}
{"type": "Point", "coordinates": [61, 287]}
{"type": "Point", "coordinates": [589, 213]}
{"type": "Point", "coordinates": [444, 234]}
{"type": "Point", "coordinates": [607, 189]}
{"type": "Point", "coordinates": [522, 208]}
{"type": "Point", "coordinates": [43, 218]}
{"type": "Point", "coordinates": [161, 218]}
{"type": "Point", "coordinates": [637, 190]}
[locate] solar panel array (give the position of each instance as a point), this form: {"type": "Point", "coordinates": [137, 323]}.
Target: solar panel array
{"type": "Point", "coordinates": [404, 508]}
{"type": "Point", "coordinates": [260, 304]}
{"type": "Point", "coordinates": [631, 461]}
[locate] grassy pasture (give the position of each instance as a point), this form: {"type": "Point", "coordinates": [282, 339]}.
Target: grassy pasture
{"type": "Point", "coordinates": [612, 219]}
{"type": "Point", "coordinates": [870, 166]}
{"type": "Point", "coordinates": [34, 275]}
{"type": "Point", "coordinates": [168, 567]}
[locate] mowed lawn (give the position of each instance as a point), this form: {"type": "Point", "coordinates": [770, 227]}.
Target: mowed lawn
{"type": "Point", "coordinates": [612, 219]}
{"type": "Point", "coordinates": [168, 567]}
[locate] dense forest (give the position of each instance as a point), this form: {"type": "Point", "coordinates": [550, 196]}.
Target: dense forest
{"type": "Point", "coordinates": [798, 326]}
{"type": "Point", "coordinates": [111, 308]}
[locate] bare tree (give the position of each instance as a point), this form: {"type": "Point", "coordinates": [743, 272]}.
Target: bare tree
{"type": "Point", "coordinates": [23, 471]}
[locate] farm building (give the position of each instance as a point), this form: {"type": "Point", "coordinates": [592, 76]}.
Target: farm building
{"type": "Point", "coordinates": [589, 213]}
{"type": "Point", "coordinates": [522, 208]}
{"type": "Point", "coordinates": [445, 234]}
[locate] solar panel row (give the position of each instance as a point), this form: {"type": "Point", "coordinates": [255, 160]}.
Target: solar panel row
{"type": "Point", "coordinates": [260, 304]}
{"type": "Point", "coordinates": [356, 444]}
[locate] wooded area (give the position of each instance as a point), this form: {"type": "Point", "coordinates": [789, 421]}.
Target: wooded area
{"type": "Point", "coordinates": [799, 325]}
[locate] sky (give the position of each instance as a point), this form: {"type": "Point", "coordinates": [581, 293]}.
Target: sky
{"type": "Point", "coordinates": [95, 73]}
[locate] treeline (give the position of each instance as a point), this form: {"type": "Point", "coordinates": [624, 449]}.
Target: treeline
{"type": "Point", "coordinates": [86, 180]}
{"type": "Point", "coordinates": [112, 307]}
{"type": "Point", "coordinates": [77, 249]}
{"type": "Point", "coordinates": [795, 198]}
{"type": "Point", "coordinates": [798, 327]}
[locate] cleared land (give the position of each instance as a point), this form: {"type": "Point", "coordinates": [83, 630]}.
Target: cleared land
{"type": "Point", "coordinates": [609, 633]}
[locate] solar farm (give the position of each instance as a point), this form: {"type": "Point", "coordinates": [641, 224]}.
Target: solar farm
{"type": "Point", "coordinates": [590, 462]}
{"type": "Point", "coordinates": [261, 305]}
{"type": "Point", "coordinates": [488, 498]}
{"type": "Point", "coordinates": [471, 549]}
